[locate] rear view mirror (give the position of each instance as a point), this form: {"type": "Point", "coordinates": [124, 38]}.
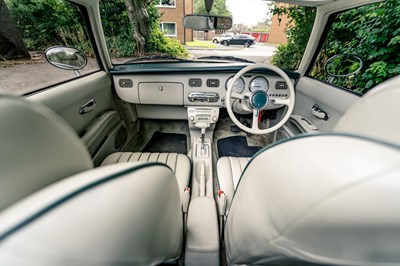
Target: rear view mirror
{"type": "Point", "coordinates": [204, 22]}
{"type": "Point", "coordinates": [66, 58]}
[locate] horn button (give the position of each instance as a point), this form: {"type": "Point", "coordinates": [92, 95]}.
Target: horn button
{"type": "Point", "coordinates": [258, 100]}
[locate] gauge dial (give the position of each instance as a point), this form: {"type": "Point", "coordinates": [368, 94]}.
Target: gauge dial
{"type": "Point", "coordinates": [238, 87]}
{"type": "Point", "coordinates": [259, 83]}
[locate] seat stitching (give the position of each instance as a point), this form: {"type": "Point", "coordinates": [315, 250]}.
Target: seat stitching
{"type": "Point", "coordinates": [176, 162]}
{"type": "Point", "coordinates": [129, 159]}
{"type": "Point", "coordinates": [119, 158]}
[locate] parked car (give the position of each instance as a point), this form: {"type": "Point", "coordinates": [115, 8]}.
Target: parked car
{"type": "Point", "coordinates": [115, 156]}
{"type": "Point", "coordinates": [222, 37]}
{"type": "Point", "coordinates": [240, 39]}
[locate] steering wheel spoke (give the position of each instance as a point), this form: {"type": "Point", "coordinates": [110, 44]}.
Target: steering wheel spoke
{"type": "Point", "coordinates": [237, 96]}
{"type": "Point", "coordinates": [281, 101]}
{"type": "Point", "coordinates": [254, 125]}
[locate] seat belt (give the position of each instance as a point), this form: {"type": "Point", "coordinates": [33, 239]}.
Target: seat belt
{"type": "Point", "coordinates": [185, 207]}
{"type": "Point", "coordinates": [221, 211]}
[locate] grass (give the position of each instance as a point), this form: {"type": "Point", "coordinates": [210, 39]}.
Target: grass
{"type": "Point", "coordinates": [203, 44]}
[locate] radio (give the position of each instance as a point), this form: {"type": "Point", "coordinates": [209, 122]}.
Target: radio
{"type": "Point", "coordinates": [203, 114]}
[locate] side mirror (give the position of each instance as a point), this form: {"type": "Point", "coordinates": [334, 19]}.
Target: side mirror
{"type": "Point", "coordinates": [343, 65]}
{"type": "Point", "coordinates": [204, 22]}
{"type": "Point", "coordinates": [66, 58]}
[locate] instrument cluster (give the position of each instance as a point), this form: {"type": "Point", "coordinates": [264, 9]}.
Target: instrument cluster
{"type": "Point", "coordinates": [253, 84]}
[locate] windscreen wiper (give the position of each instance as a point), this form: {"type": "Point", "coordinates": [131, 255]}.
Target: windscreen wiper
{"type": "Point", "coordinates": [229, 58]}
{"type": "Point", "coordinates": [157, 58]}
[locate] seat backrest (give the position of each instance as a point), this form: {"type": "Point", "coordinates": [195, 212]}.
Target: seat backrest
{"type": "Point", "coordinates": [328, 198]}
{"type": "Point", "coordinates": [37, 148]}
{"type": "Point", "coordinates": [376, 114]}
{"type": "Point", "coordinates": [121, 214]}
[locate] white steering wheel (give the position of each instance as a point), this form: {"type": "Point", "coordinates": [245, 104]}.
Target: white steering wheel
{"type": "Point", "coordinates": [259, 100]}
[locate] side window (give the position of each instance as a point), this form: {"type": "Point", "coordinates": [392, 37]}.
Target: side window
{"type": "Point", "coordinates": [370, 34]}
{"type": "Point", "coordinates": [30, 27]}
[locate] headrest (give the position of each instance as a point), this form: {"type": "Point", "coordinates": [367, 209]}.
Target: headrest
{"type": "Point", "coordinates": [37, 149]}
{"type": "Point", "coordinates": [376, 114]}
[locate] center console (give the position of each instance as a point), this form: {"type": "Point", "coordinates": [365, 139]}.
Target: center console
{"type": "Point", "coordinates": [202, 239]}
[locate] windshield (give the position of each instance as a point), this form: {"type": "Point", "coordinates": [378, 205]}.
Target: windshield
{"type": "Point", "coordinates": [154, 32]}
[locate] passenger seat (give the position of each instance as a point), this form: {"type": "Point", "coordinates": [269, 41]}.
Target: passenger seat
{"type": "Point", "coordinates": [179, 163]}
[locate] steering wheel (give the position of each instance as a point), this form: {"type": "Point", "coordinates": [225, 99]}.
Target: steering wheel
{"type": "Point", "coordinates": [259, 100]}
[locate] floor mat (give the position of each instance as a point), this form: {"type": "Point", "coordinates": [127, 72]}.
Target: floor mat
{"type": "Point", "coordinates": [167, 142]}
{"type": "Point", "coordinates": [236, 146]}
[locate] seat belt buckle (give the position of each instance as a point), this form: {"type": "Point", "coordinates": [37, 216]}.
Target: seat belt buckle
{"type": "Point", "coordinates": [221, 202]}
{"type": "Point", "coordinates": [185, 199]}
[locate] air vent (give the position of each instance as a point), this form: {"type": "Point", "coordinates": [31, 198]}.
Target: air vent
{"type": "Point", "coordinates": [281, 85]}
{"type": "Point", "coordinates": [195, 82]}
{"type": "Point", "coordinates": [213, 83]}
{"type": "Point", "coordinates": [125, 83]}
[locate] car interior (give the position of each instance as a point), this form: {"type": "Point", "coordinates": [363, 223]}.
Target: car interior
{"type": "Point", "coordinates": [196, 163]}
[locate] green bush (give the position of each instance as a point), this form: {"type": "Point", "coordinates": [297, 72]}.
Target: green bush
{"type": "Point", "coordinates": [44, 23]}
{"type": "Point", "coordinates": [158, 43]}
{"type": "Point", "coordinates": [301, 20]}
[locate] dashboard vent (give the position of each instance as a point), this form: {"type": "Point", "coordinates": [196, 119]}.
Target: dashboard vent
{"type": "Point", "coordinates": [281, 85]}
{"type": "Point", "coordinates": [213, 83]}
{"type": "Point", "coordinates": [195, 82]}
{"type": "Point", "coordinates": [125, 83]}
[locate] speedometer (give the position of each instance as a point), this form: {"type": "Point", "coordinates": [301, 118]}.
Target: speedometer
{"type": "Point", "coordinates": [259, 84]}
{"type": "Point", "coordinates": [238, 87]}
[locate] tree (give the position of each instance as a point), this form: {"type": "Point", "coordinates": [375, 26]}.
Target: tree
{"type": "Point", "coordinates": [219, 8]}
{"type": "Point", "coordinates": [139, 17]}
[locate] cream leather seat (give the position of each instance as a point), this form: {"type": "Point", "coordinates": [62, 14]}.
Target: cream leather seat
{"type": "Point", "coordinates": [179, 163]}
{"type": "Point", "coordinates": [55, 209]}
{"type": "Point", "coordinates": [229, 170]}
{"type": "Point", "coordinates": [333, 200]}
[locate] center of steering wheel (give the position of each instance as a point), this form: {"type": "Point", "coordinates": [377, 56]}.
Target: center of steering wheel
{"type": "Point", "coordinates": [258, 100]}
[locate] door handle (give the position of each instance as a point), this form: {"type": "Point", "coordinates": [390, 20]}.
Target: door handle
{"type": "Point", "coordinates": [319, 112]}
{"type": "Point", "coordinates": [87, 107]}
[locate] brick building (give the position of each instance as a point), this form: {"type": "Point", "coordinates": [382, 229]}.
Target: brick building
{"type": "Point", "coordinates": [277, 34]}
{"type": "Point", "coordinates": [173, 12]}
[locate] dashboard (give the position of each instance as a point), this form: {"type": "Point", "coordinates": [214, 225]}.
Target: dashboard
{"type": "Point", "coordinates": [192, 88]}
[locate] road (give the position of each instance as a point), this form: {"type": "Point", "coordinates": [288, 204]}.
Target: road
{"type": "Point", "coordinates": [259, 53]}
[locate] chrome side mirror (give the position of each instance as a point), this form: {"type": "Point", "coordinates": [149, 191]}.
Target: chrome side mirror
{"type": "Point", "coordinates": [343, 65]}
{"type": "Point", "coordinates": [66, 58]}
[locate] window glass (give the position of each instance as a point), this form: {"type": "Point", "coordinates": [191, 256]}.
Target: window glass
{"type": "Point", "coordinates": [371, 33]}
{"type": "Point", "coordinates": [152, 33]}
{"type": "Point", "coordinates": [167, 3]}
{"type": "Point", "coordinates": [30, 28]}
{"type": "Point", "coordinates": [168, 28]}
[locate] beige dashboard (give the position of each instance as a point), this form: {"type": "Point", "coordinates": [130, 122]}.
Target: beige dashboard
{"type": "Point", "coordinates": [174, 89]}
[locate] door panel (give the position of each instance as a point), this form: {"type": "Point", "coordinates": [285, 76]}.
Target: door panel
{"type": "Point", "coordinates": [311, 92]}
{"type": "Point", "coordinates": [67, 98]}
{"type": "Point", "coordinates": [98, 127]}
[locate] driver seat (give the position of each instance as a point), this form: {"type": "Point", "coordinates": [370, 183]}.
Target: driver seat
{"type": "Point", "coordinates": [333, 200]}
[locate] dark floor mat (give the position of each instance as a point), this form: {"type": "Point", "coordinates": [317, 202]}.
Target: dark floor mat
{"type": "Point", "coordinates": [236, 146]}
{"type": "Point", "coordinates": [167, 142]}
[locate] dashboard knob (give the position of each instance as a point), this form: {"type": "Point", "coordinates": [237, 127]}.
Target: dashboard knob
{"type": "Point", "coordinates": [214, 118]}
{"type": "Point", "coordinates": [191, 118]}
